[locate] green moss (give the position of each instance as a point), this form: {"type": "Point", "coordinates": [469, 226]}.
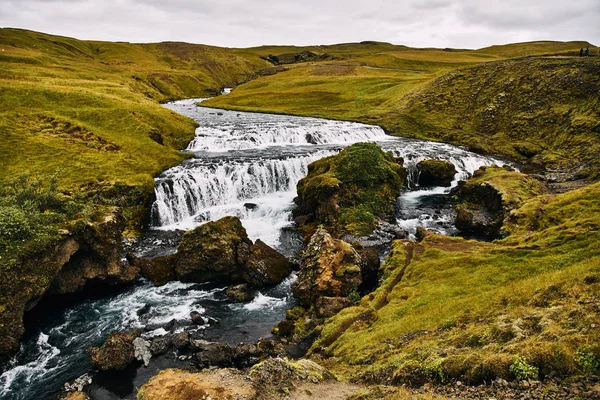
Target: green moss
{"type": "Point", "coordinates": [527, 294]}
{"type": "Point", "coordinates": [350, 190]}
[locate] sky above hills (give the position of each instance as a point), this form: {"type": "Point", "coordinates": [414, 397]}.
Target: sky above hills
{"type": "Point", "coordinates": [245, 23]}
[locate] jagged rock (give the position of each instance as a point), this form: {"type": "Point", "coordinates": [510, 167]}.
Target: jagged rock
{"type": "Point", "coordinates": [180, 340]}
{"type": "Point", "coordinates": [142, 350]}
{"type": "Point", "coordinates": [218, 250]}
{"type": "Point", "coordinates": [240, 293]}
{"type": "Point", "coordinates": [76, 396]}
{"type": "Point", "coordinates": [116, 353]}
{"type": "Point", "coordinates": [329, 267]}
{"type": "Point", "coordinates": [435, 172]}
{"type": "Point", "coordinates": [329, 306]}
{"type": "Point", "coordinates": [143, 310]}
{"type": "Point", "coordinates": [265, 266]}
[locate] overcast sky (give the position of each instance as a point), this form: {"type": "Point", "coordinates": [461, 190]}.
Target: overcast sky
{"type": "Point", "coordinates": [244, 23]}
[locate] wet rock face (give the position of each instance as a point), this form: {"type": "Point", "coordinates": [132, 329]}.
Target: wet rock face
{"type": "Point", "coordinates": [329, 267]}
{"type": "Point", "coordinates": [218, 250]}
{"type": "Point", "coordinates": [116, 353]}
{"type": "Point", "coordinates": [91, 254]}
{"type": "Point", "coordinates": [435, 172]}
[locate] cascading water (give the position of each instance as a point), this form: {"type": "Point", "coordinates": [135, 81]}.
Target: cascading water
{"type": "Point", "coordinates": [246, 165]}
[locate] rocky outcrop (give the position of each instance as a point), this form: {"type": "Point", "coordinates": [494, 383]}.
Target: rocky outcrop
{"type": "Point", "coordinates": [218, 250]}
{"type": "Point", "coordinates": [116, 353]}
{"type": "Point", "coordinates": [485, 200]}
{"type": "Point", "coordinates": [348, 192]}
{"type": "Point", "coordinates": [329, 267]}
{"type": "Point", "coordinates": [435, 172]}
{"type": "Point", "coordinates": [91, 253]}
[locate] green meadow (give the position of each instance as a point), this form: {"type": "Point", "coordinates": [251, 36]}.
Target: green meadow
{"type": "Point", "coordinates": [82, 131]}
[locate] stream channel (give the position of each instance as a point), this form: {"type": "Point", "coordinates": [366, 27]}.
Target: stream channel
{"type": "Point", "coordinates": [247, 165]}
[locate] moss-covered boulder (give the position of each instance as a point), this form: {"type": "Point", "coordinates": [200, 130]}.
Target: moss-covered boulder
{"type": "Point", "coordinates": [329, 267]}
{"type": "Point", "coordinates": [435, 172]}
{"type": "Point", "coordinates": [116, 353]}
{"type": "Point", "coordinates": [485, 200]}
{"type": "Point", "coordinates": [347, 192]}
{"type": "Point", "coordinates": [218, 250]}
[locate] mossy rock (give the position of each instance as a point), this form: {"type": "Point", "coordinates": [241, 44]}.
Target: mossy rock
{"type": "Point", "coordinates": [348, 191]}
{"type": "Point", "coordinates": [486, 199]}
{"type": "Point", "coordinates": [436, 172]}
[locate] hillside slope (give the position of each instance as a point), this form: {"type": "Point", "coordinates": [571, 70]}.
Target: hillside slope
{"type": "Point", "coordinates": [541, 108]}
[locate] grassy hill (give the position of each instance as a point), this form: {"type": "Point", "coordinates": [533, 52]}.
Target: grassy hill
{"type": "Point", "coordinates": [82, 130]}
{"type": "Point", "coordinates": [540, 106]}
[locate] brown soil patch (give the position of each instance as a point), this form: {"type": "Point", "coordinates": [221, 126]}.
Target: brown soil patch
{"type": "Point", "coordinates": [220, 384]}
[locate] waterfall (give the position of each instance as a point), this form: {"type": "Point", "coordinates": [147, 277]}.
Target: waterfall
{"type": "Point", "coordinates": [240, 135]}
{"type": "Point", "coordinates": [207, 190]}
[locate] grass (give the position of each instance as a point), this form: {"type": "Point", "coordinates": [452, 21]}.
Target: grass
{"type": "Point", "coordinates": [533, 102]}
{"type": "Point", "coordinates": [451, 309]}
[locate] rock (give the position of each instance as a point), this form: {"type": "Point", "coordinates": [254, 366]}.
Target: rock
{"type": "Point", "coordinates": [215, 384]}
{"type": "Point", "coordinates": [250, 206]}
{"type": "Point", "coordinates": [78, 384]}
{"type": "Point", "coordinates": [284, 328]}
{"type": "Point", "coordinates": [435, 172]}
{"type": "Point", "coordinates": [329, 306]}
{"type": "Point", "coordinates": [329, 267]}
{"type": "Point", "coordinates": [91, 253]}
{"type": "Point", "coordinates": [218, 250]}
{"type": "Point", "coordinates": [76, 396]}
{"type": "Point", "coordinates": [160, 345]}
{"type": "Point", "coordinates": [116, 353]}
{"type": "Point", "coordinates": [485, 200]}
{"type": "Point", "coordinates": [212, 353]}
{"type": "Point", "coordinates": [240, 293]}
{"type": "Point", "coordinates": [361, 174]}
{"type": "Point", "coordinates": [142, 350]}
{"type": "Point", "coordinates": [197, 318]}
{"type": "Point", "coordinates": [143, 310]}
{"type": "Point", "coordinates": [369, 268]}
{"type": "Point", "coordinates": [180, 340]}
{"type": "Point", "coordinates": [281, 375]}
{"type": "Point", "coordinates": [265, 266]}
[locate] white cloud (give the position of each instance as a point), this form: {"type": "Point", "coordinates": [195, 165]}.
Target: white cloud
{"type": "Point", "coordinates": [241, 23]}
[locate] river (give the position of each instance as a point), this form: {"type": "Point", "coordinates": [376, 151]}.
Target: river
{"type": "Point", "coordinates": [247, 165]}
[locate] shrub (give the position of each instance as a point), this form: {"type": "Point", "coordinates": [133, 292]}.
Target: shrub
{"type": "Point", "coordinates": [586, 361]}
{"type": "Point", "coordinates": [522, 370]}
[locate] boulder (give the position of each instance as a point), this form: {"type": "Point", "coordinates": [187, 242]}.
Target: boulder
{"type": "Point", "coordinates": [435, 172]}
{"type": "Point", "coordinates": [280, 375]}
{"type": "Point", "coordinates": [349, 191]}
{"type": "Point", "coordinates": [218, 250]}
{"type": "Point", "coordinates": [212, 251]}
{"type": "Point", "coordinates": [116, 353]}
{"type": "Point", "coordinates": [265, 266]}
{"type": "Point", "coordinates": [213, 353]}
{"type": "Point", "coordinates": [240, 293]}
{"type": "Point", "coordinates": [329, 267]}
{"type": "Point", "coordinates": [142, 350]}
